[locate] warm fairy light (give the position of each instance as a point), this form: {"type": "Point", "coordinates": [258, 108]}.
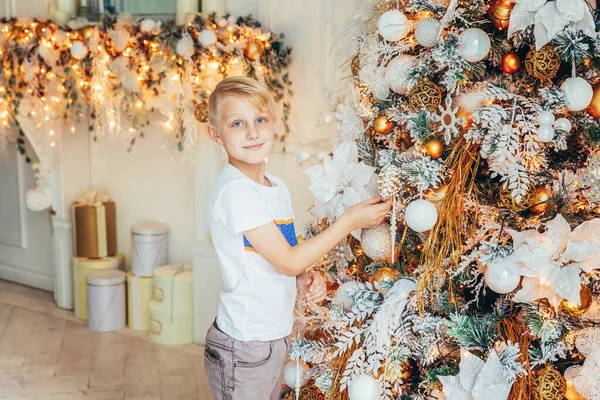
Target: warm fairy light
{"type": "Point", "coordinates": [214, 65]}
{"type": "Point", "coordinates": [73, 129]}
{"type": "Point", "coordinates": [52, 144]}
{"type": "Point", "coordinates": [139, 104]}
{"type": "Point", "coordinates": [51, 133]}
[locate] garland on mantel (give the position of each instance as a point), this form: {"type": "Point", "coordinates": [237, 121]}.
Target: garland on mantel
{"type": "Point", "coordinates": [54, 74]}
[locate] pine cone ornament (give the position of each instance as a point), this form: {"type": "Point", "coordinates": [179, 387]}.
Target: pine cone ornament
{"type": "Point", "coordinates": [389, 181]}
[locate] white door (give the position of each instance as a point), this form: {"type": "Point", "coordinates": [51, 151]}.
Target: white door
{"type": "Point", "coordinates": [25, 235]}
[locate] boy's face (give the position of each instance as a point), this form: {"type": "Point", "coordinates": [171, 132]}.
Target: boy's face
{"type": "Point", "coordinates": [248, 135]}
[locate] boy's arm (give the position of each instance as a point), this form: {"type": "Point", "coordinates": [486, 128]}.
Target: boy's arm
{"type": "Point", "coordinates": [268, 241]}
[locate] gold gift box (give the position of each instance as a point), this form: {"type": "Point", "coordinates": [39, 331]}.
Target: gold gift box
{"type": "Point", "coordinates": [95, 230]}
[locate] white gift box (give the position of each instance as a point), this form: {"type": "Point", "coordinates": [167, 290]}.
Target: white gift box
{"type": "Point", "coordinates": [168, 327]}
{"type": "Point", "coordinates": [150, 240]}
{"type": "Point", "coordinates": [173, 287]}
{"type": "Point", "coordinates": [106, 300]}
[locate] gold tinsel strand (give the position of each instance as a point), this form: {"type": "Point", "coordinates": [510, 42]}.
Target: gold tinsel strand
{"type": "Point", "coordinates": [445, 240]}
{"type": "Point", "coordinates": [511, 329]}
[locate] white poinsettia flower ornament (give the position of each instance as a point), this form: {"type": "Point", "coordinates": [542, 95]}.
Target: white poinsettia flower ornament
{"type": "Point", "coordinates": [477, 380]}
{"type": "Point", "coordinates": [550, 18]}
{"type": "Point", "coordinates": [341, 182]}
{"type": "Point", "coordinates": [551, 262]}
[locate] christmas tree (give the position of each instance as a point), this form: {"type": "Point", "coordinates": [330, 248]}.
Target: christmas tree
{"type": "Point", "coordinates": [480, 119]}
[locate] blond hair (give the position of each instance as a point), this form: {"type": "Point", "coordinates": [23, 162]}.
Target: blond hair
{"type": "Point", "coordinates": [247, 89]}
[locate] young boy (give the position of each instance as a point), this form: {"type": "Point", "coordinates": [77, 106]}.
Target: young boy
{"type": "Point", "coordinates": [252, 227]}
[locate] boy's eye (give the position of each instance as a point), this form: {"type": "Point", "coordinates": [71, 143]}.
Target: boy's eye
{"type": "Point", "coordinates": [237, 124]}
{"type": "Point", "coordinates": [261, 120]}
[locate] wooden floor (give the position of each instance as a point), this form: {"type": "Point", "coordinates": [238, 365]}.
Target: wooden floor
{"type": "Point", "coordinates": [48, 354]}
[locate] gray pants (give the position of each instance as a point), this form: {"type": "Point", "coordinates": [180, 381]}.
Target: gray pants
{"type": "Point", "coordinates": [243, 370]}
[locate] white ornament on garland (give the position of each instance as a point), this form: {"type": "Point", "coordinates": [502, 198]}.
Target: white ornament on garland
{"type": "Point", "coordinates": [563, 124]}
{"type": "Point", "coordinates": [397, 72]}
{"type": "Point", "coordinates": [474, 44]}
{"type": "Point", "coordinates": [207, 38]}
{"type": "Point", "coordinates": [421, 215]}
{"type": "Point", "coordinates": [295, 369]}
{"type": "Point", "coordinates": [393, 25]}
{"type": "Point", "coordinates": [546, 118]}
{"type": "Point", "coordinates": [120, 38]}
{"type": "Point", "coordinates": [578, 92]}
{"type": "Point", "coordinates": [545, 133]}
{"type": "Point", "coordinates": [427, 32]}
{"type": "Point", "coordinates": [501, 276]}
{"type": "Point", "coordinates": [150, 26]}
{"type": "Point", "coordinates": [79, 50]}
{"type": "Point", "coordinates": [185, 47]}
{"type": "Point", "coordinates": [363, 387]}
{"type": "Point", "coordinates": [342, 294]}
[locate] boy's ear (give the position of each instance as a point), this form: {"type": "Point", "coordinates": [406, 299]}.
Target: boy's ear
{"type": "Point", "coordinates": [213, 134]}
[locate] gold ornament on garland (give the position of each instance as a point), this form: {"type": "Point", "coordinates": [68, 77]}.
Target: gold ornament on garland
{"type": "Point", "coordinates": [549, 384]}
{"type": "Point", "coordinates": [201, 111]}
{"type": "Point", "coordinates": [436, 195]}
{"type": "Point", "coordinates": [383, 125]}
{"type": "Point", "coordinates": [434, 148]}
{"type": "Point", "coordinates": [585, 302]}
{"type": "Point", "coordinates": [425, 95]}
{"type": "Point", "coordinates": [594, 108]}
{"type": "Point", "coordinates": [509, 202]}
{"type": "Point", "coordinates": [254, 49]}
{"type": "Point", "coordinates": [543, 63]}
{"type": "Point", "coordinates": [311, 392]}
{"type": "Point", "coordinates": [383, 276]}
{"type": "Point", "coordinates": [87, 32]}
{"type": "Point", "coordinates": [499, 13]}
{"type": "Point", "coordinates": [540, 200]}
{"type": "Point", "coordinates": [511, 63]}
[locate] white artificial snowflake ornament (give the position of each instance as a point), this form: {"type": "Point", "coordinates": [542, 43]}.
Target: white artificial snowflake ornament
{"type": "Point", "coordinates": [550, 262]}
{"type": "Point", "coordinates": [449, 123]}
{"type": "Point", "coordinates": [550, 18]}
{"type": "Point", "coordinates": [341, 182]}
{"type": "Point", "coordinates": [351, 126]}
{"type": "Point", "coordinates": [477, 380]}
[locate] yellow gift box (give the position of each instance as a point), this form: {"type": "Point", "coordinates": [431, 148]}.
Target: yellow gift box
{"type": "Point", "coordinates": [81, 268]}
{"type": "Point", "coordinates": [94, 217]}
{"type": "Point", "coordinates": [170, 327]}
{"type": "Point", "coordinates": [173, 287]}
{"type": "Point", "coordinates": [139, 294]}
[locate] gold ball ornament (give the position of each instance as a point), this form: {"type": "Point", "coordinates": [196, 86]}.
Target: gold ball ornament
{"type": "Point", "coordinates": [572, 393]}
{"type": "Point", "coordinates": [549, 384]}
{"type": "Point", "coordinates": [594, 108]}
{"type": "Point", "coordinates": [383, 125]}
{"type": "Point", "coordinates": [436, 195]}
{"type": "Point", "coordinates": [434, 148]}
{"type": "Point", "coordinates": [201, 111]}
{"type": "Point", "coordinates": [87, 32]}
{"type": "Point", "coordinates": [311, 392]}
{"type": "Point", "coordinates": [499, 13]}
{"type": "Point", "coordinates": [383, 276]}
{"type": "Point", "coordinates": [254, 49]}
{"type": "Point", "coordinates": [585, 302]}
{"type": "Point", "coordinates": [355, 65]}
{"type": "Point", "coordinates": [511, 63]}
{"type": "Point", "coordinates": [509, 202]}
{"type": "Point", "coordinates": [540, 200]}
{"type": "Point", "coordinates": [543, 63]}
{"type": "Point", "coordinates": [425, 95]}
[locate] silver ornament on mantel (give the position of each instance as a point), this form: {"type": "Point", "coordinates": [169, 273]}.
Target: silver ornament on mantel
{"type": "Point", "coordinates": [427, 32]}
{"type": "Point", "coordinates": [377, 242]}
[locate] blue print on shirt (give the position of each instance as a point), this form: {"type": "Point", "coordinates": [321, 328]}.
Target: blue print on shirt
{"type": "Point", "coordinates": [286, 227]}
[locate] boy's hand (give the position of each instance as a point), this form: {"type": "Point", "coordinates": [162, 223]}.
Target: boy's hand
{"type": "Point", "coordinates": [313, 285]}
{"type": "Point", "coordinates": [369, 213]}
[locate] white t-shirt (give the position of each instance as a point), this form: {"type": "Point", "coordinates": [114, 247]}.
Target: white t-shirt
{"type": "Point", "coordinates": [257, 302]}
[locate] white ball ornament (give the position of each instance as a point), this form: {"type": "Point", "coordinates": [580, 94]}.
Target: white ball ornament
{"type": "Point", "coordinates": [545, 133]}
{"type": "Point", "coordinates": [207, 38]}
{"type": "Point", "coordinates": [147, 25]}
{"type": "Point", "coordinates": [546, 118]}
{"type": "Point", "coordinates": [578, 92]}
{"type": "Point", "coordinates": [185, 47]}
{"type": "Point", "coordinates": [79, 50]}
{"type": "Point", "coordinates": [427, 32]}
{"type": "Point", "coordinates": [222, 22]}
{"type": "Point", "coordinates": [397, 71]}
{"type": "Point", "coordinates": [501, 278]}
{"type": "Point", "coordinates": [474, 44]}
{"type": "Point", "coordinates": [304, 156]}
{"type": "Point", "coordinates": [421, 215]}
{"type": "Point", "coordinates": [290, 372]}
{"type": "Point", "coordinates": [342, 296]}
{"type": "Point", "coordinates": [393, 25]}
{"type": "Point", "coordinates": [404, 287]}
{"type": "Point", "coordinates": [563, 124]}
{"type": "Point", "coordinates": [363, 387]}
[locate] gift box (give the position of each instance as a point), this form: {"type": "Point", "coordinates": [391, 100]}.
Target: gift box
{"type": "Point", "coordinates": [139, 294]}
{"type": "Point", "coordinates": [173, 287]}
{"type": "Point", "coordinates": [81, 268]}
{"type": "Point", "coordinates": [94, 217]}
{"type": "Point", "coordinates": [150, 240]}
{"type": "Point", "coordinates": [106, 305]}
{"type": "Point", "coordinates": [170, 326]}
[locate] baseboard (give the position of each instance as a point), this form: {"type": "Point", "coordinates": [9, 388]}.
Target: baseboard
{"type": "Point", "coordinates": [26, 277]}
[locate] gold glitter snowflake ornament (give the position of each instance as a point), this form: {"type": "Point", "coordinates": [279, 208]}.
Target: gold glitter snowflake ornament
{"type": "Point", "coordinates": [450, 124]}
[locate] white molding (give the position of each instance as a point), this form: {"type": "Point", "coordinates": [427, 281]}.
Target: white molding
{"type": "Point", "coordinates": [62, 251]}
{"type": "Point", "coordinates": [26, 277]}
{"type": "Point", "coordinates": [207, 286]}
{"type": "Point", "coordinates": [22, 241]}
